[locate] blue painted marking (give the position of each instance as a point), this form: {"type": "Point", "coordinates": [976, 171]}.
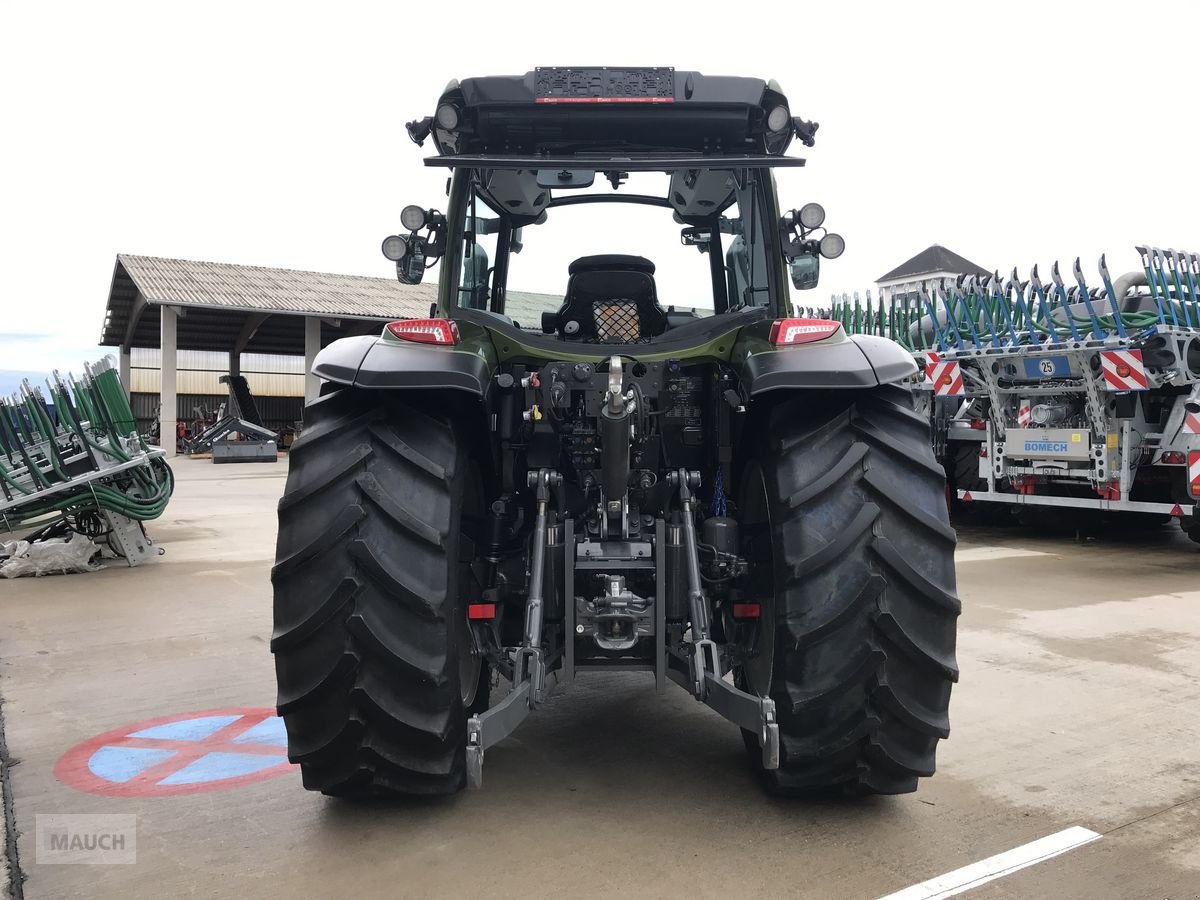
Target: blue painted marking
{"type": "Point", "coordinates": [123, 763]}
{"type": "Point", "coordinates": [268, 731]}
{"type": "Point", "coordinates": [1047, 367]}
{"type": "Point", "coordinates": [1045, 447]}
{"type": "Point", "coordinates": [187, 729]}
{"type": "Point", "coordinates": [217, 766]}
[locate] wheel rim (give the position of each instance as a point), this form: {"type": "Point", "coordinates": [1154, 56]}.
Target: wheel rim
{"type": "Point", "coordinates": [470, 661]}
{"type": "Point", "coordinates": [757, 637]}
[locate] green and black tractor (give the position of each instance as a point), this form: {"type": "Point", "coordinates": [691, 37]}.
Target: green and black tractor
{"type": "Point", "coordinates": [586, 459]}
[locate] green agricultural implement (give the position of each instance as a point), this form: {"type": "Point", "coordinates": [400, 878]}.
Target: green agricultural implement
{"type": "Point", "coordinates": [70, 456]}
{"type": "Point", "coordinates": [657, 468]}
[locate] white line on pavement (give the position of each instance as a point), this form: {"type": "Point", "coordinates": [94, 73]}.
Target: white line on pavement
{"type": "Point", "coordinates": [982, 554]}
{"type": "Point", "coordinates": [997, 866]}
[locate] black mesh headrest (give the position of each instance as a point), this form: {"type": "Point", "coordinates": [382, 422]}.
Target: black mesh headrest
{"type": "Point", "coordinates": [611, 262]}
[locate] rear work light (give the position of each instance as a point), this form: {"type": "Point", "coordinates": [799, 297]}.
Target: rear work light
{"type": "Point", "coordinates": [785, 332]}
{"type": "Point", "coordinates": [425, 331]}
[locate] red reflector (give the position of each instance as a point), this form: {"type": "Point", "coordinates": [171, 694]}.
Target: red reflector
{"type": "Point", "coordinates": [1123, 371]}
{"type": "Point", "coordinates": [967, 498]}
{"type": "Point", "coordinates": [746, 610]}
{"type": "Point", "coordinates": [1177, 511]}
{"type": "Point", "coordinates": [1173, 458]}
{"type": "Point", "coordinates": [425, 331]}
{"type": "Point", "coordinates": [801, 331]}
{"type": "Point", "coordinates": [481, 610]}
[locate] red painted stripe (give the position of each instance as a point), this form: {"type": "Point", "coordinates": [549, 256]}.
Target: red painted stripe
{"type": "Point", "coordinates": [1132, 359]}
{"type": "Point", "coordinates": [948, 380]}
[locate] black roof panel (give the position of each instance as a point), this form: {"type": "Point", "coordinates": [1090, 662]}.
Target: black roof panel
{"type": "Point", "coordinates": [934, 259]}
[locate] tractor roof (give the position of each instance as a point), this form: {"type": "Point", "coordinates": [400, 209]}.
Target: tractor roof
{"type": "Point", "coordinates": [562, 112]}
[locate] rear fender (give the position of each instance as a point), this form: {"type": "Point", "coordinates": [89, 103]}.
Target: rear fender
{"type": "Point", "coordinates": [378, 364]}
{"type": "Point", "coordinates": [851, 362]}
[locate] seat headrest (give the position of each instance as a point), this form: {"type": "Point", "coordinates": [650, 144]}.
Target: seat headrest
{"type": "Point", "coordinates": [611, 262]}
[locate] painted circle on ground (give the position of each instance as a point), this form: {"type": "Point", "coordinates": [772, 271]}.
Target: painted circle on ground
{"type": "Point", "coordinates": [186, 753]}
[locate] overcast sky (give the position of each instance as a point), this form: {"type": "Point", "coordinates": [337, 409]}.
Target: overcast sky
{"type": "Point", "coordinates": [272, 133]}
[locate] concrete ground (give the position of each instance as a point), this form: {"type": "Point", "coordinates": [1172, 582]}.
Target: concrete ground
{"type": "Point", "coordinates": [1077, 706]}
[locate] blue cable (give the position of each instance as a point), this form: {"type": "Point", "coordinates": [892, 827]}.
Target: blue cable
{"type": "Point", "coordinates": [720, 503]}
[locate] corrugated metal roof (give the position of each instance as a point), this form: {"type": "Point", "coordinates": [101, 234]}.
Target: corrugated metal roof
{"type": "Point", "coordinates": [198, 381]}
{"type": "Point", "coordinates": [223, 299]}
{"type": "Point", "coordinates": [218, 361]}
{"type": "Point", "coordinates": [182, 282]}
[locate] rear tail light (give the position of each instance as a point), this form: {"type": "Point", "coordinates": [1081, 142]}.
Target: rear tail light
{"type": "Point", "coordinates": [425, 331]}
{"type": "Point", "coordinates": [1173, 458]}
{"type": "Point", "coordinates": [481, 610]}
{"type": "Point", "coordinates": [747, 610]}
{"type": "Point", "coordinates": [979, 424]}
{"type": "Point", "coordinates": [785, 332]}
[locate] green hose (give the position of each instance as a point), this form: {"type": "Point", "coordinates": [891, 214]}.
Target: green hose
{"type": "Point", "coordinates": [95, 420]}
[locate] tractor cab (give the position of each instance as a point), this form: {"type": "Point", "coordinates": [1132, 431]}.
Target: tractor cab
{"type": "Point", "coordinates": [642, 199]}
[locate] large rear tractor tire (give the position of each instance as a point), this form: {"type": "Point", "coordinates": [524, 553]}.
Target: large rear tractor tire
{"type": "Point", "coordinates": [375, 660]}
{"type": "Point", "coordinates": [843, 513]}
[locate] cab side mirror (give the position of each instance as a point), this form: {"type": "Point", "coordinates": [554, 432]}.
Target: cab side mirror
{"type": "Point", "coordinates": [802, 249]}
{"type": "Point", "coordinates": [806, 271]}
{"type": "Point", "coordinates": [413, 252]}
{"type": "Point", "coordinates": [700, 238]}
{"type": "Point", "coordinates": [408, 253]}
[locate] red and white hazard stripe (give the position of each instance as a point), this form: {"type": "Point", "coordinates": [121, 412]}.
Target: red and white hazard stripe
{"type": "Point", "coordinates": [1025, 413]}
{"type": "Point", "coordinates": [1124, 370]}
{"type": "Point", "coordinates": [946, 377]}
{"type": "Point", "coordinates": [1191, 423]}
{"type": "Point", "coordinates": [1194, 472]}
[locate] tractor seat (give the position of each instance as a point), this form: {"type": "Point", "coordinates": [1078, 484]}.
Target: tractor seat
{"type": "Point", "coordinates": [610, 299]}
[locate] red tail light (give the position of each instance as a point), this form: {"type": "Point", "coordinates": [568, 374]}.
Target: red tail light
{"type": "Point", "coordinates": [1173, 458]}
{"type": "Point", "coordinates": [785, 332]}
{"type": "Point", "coordinates": [425, 331]}
{"type": "Point", "coordinates": [481, 610]}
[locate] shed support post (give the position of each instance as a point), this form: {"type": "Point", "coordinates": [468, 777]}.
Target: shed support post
{"type": "Point", "coordinates": [123, 370]}
{"type": "Point", "coordinates": [312, 346]}
{"type": "Point", "coordinates": [235, 362]}
{"type": "Point", "coordinates": [166, 392]}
